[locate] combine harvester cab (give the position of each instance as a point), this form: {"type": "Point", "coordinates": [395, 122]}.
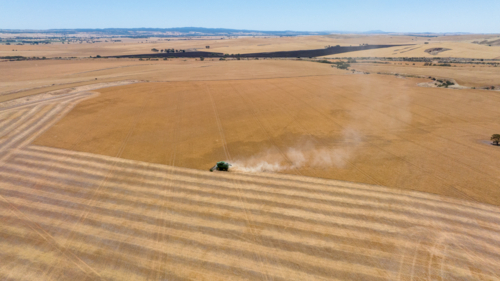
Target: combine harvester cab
{"type": "Point", "coordinates": [221, 166]}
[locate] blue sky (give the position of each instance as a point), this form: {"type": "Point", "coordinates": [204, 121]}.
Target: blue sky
{"type": "Point", "coordinates": [314, 15]}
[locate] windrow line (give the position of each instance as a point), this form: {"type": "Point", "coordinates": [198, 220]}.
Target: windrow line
{"type": "Point", "coordinates": [384, 212]}
{"type": "Point", "coordinates": [100, 214]}
{"type": "Point", "coordinates": [10, 119]}
{"type": "Point", "coordinates": [129, 264]}
{"type": "Point", "coordinates": [24, 130]}
{"type": "Point", "coordinates": [35, 125]}
{"type": "Point", "coordinates": [208, 212]}
{"type": "Point", "coordinates": [41, 215]}
{"type": "Point", "coordinates": [330, 195]}
{"type": "Point", "coordinates": [313, 184]}
{"type": "Point", "coordinates": [198, 218]}
{"type": "Point", "coordinates": [296, 215]}
{"type": "Point", "coordinates": [18, 121]}
{"type": "Point", "coordinates": [191, 244]}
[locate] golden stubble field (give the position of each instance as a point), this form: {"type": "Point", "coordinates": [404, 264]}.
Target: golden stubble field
{"type": "Point", "coordinates": [25, 78]}
{"type": "Point", "coordinates": [372, 129]}
{"type": "Point", "coordinates": [106, 182]}
{"type": "Point", "coordinates": [68, 214]}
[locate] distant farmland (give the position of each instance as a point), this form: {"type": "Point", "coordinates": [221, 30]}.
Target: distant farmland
{"type": "Point", "coordinates": [283, 54]}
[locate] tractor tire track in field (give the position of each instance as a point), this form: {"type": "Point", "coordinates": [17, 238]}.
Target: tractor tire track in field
{"type": "Point", "coordinates": [235, 181]}
{"type": "Point", "coordinates": [68, 214]}
{"type": "Point", "coordinates": [162, 223]}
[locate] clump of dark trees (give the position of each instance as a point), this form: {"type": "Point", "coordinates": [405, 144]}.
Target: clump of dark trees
{"type": "Point", "coordinates": [445, 83]}
{"type": "Point", "coordinates": [168, 51]}
{"type": "Point", "coordinates": [440, 64]}
{"type": "Point", "coordinates": [495, 138]}
{"type": "Point", "coordinates": [20, 58]}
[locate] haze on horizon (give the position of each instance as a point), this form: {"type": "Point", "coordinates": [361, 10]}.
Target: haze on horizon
{"type": "Point", "coordinates": [319, 15]}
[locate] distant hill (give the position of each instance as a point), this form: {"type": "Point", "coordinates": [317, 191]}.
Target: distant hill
{"type": "Point", "coordinates": [185, 31]}
{"type": "Point", "coordinates": [202, 31]}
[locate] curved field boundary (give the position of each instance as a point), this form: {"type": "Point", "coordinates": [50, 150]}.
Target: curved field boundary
{"type": "Point", "coordinates": [68, 214]}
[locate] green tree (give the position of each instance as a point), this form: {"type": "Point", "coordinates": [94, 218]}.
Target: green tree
{"type": "Point", "coordinates": [496, 139]}
{"type": "Point", "coordinates": [202, 58]}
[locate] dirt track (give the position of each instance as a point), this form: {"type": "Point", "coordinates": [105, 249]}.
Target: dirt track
{"type": "Point", "coordinates": [68, 214]}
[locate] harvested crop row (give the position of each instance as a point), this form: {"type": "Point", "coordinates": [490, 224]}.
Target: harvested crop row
{"type": "Point", "coordinates": [88, 216]}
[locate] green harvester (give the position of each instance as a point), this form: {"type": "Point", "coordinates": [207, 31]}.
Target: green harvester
{"type": "Point", "coordinates": [221, 166]}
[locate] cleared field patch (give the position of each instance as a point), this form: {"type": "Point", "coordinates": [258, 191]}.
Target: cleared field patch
{"type": "Point", "coordinates": [18, 79]}
{"type": "Point", "coordinates": [363, 128]}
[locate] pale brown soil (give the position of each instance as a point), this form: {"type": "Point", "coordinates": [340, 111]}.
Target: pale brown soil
{"type": "Point", "coordinates": [82, 216]}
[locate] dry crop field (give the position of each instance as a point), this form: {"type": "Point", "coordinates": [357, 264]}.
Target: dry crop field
{"type": "Point", "coordinates": [68, 214]}
{"type": "Point", "coordinates": [25, 78]}
{"type": "Point", "coordinates": [373, 129]}
{"type": "Point", "coordinates": [336, 176]}
{"type": "Point", "coordinates": [460, 46]}
{"type": "Point", "coordinates": [456, 49]}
